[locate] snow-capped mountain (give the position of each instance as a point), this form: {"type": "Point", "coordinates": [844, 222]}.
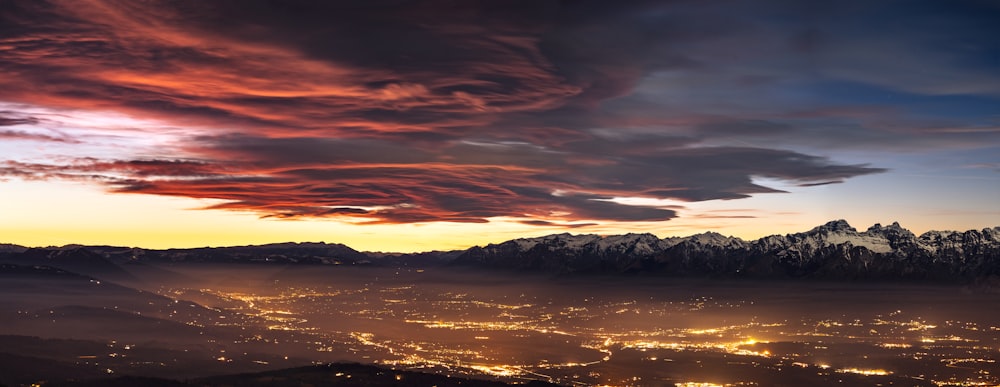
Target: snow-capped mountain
{"type": "Point", "coordinates": [832, 250]}
{"type": "Point", "coordinates": [568, 253]}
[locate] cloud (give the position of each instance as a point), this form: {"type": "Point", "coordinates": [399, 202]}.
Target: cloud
{"type": "Point", "coordinates": [818, 183]}
{"type": "Point", "coordinates": [995, 167]}
{"type": "Point", "coordinates": [542, 111]}
{"type": "Point", "coordinates": [22, 135]}
{"type": "Point", "coordinates": [454, 184]}
{"type": "Point", "coordinates": [554, 224]}
{"type": "Point", "coordinates": [15, 121]}
{"type": "Point", "coordinates": [28, 129]}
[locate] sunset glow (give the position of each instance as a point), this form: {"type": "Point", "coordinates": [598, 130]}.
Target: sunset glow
{"type": "Point", "coordinates": [430, 126]}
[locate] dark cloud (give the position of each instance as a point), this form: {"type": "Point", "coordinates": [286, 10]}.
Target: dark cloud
{"type": "Point", "coordinates": [399, 111]}
{"type": "Point", "coordinates": [462, 190]}
{"type": "Point", "coordinates": [10, 118]}
{"type": "Point", "coordinates": [598, 208]}
{"type": "Point", "coordinates": [117, 172]}
{"type": "Point", "coordinates": [14, 121]}
{"type": "Point", "coordinates": [707, 173]}
{"type": "Point", "coordinates": [554, 224]}
{"type": "Point", "coordinates": [20, 135]}
{"type": "Point", "coordinates": [309, 150]}
{"type": "Point", "coordinates": [819, 183]}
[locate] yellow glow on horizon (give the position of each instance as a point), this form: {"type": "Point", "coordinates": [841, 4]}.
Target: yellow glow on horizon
{"type": "Point", "coordinates": [46, 213]}
{"type": "Point", "coordinates": [57, 213]}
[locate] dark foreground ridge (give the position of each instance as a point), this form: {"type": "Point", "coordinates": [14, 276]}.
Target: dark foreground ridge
{"type": "Point", "coordinates": [337, 374]}
{"type": "Point", "coordinates": [833, 251]}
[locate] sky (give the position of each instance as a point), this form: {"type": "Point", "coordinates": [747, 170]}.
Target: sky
{"type": "Point", "coordinates": [393, 125]}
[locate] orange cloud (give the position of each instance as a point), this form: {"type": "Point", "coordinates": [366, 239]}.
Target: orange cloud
{"type": "Point", "coordinates": [374, 114]}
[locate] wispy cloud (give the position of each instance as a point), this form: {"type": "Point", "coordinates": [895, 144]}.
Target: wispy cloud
{"type": "Point", "coordinates": [23, 135]}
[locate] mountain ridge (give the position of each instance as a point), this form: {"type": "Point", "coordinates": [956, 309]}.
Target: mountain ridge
{"type": "Point", "coordinates": [833, 250]}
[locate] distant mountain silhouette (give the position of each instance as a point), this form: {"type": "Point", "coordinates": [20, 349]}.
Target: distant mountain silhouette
{"type": "Point", "coordinates": [280, 253]}
{"type": "Point", "coordinates": [76, 259]}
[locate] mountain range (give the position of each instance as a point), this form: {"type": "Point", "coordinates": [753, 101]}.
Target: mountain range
{"type": "Point", "coordinates": [834, 250]}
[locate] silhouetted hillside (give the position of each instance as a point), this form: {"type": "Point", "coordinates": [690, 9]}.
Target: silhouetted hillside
{"type": "Point", "coordinates": [317, 376]}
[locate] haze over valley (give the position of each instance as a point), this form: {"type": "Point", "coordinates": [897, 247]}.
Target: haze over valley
{"type": "Point", "coordinates": [195, 313]}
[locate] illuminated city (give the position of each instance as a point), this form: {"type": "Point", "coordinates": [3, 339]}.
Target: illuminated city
{"type": "Point", "coordinates": [605, 334]}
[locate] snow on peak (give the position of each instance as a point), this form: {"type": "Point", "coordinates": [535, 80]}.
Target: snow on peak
{"type": "Point", "coordinates": [838, 232]}
{"type": "Point", "coordinates": [712, 238]}
{"type": "Point", "coordinates": [638, 243]}
{"type": "Point", "coordinates": [839, 225]}
{"type": "Point", "coordinates": [876, 244]}
{"type": "Point", "coordinates": [877, 238]}
{"type": "Point", "coordinates": [894, 231]}
{"type": "Point", "coordinates": [560, 240]}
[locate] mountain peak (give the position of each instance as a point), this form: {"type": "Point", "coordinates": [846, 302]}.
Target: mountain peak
{"type": "Point", "coordinates": [893, 231]}
{"type": "Point", "coordinates": [838, 225]}
{"type": "Point", "coordinates": [708, 235]}
{"type": "Point", "coordinates": [893, 226]}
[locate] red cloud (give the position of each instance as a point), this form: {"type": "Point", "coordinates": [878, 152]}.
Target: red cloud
{"type": "Point", "coordinates": [416, 113]}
